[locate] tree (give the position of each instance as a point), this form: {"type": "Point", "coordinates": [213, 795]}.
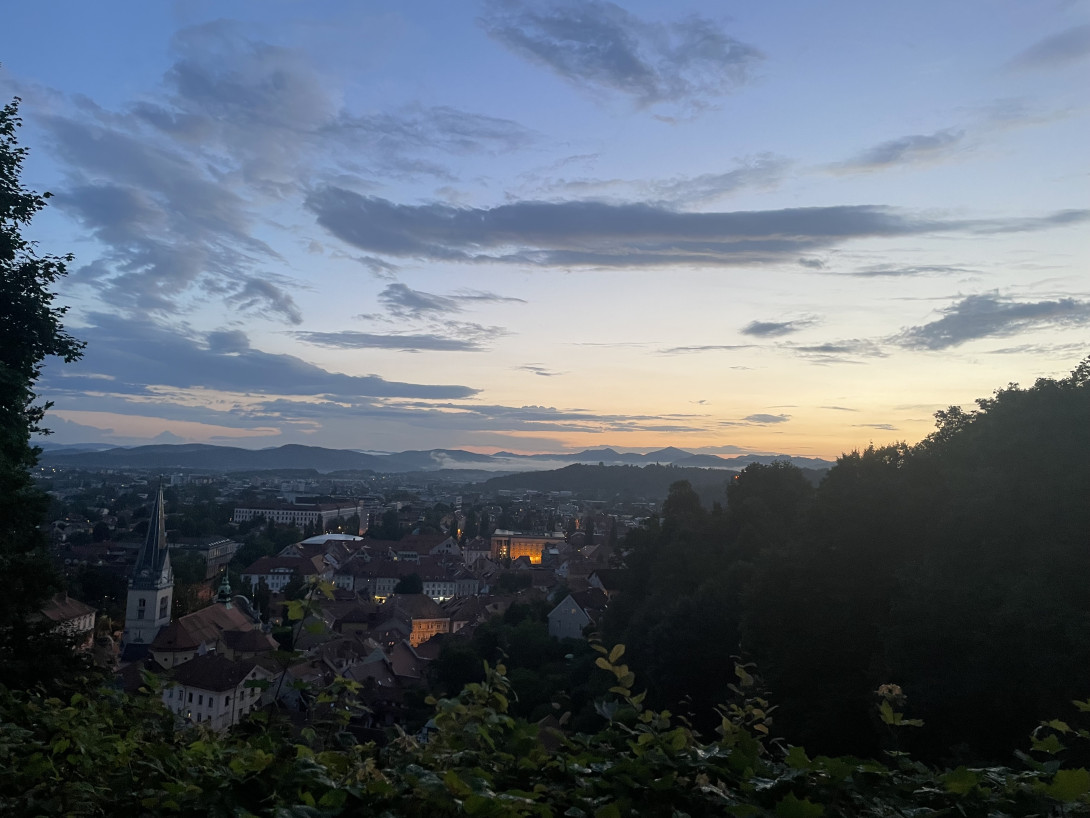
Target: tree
{"type": "Point", "coordinates": [411, 584]}
{"type": "Point", "coordinates": [30, 331]}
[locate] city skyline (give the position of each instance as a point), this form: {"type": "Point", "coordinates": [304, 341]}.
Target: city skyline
{"type": "Point", "coordinates": [547, 227]}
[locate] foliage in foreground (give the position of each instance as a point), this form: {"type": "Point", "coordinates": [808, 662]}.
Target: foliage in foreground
{"type": "Point", "coordinates": [107, 754]}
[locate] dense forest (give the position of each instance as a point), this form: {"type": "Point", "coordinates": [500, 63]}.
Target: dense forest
{"type": "Point", "coordinates": [956, 568]}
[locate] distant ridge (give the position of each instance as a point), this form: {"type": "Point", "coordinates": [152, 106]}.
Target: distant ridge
{"type": "Point", "coordinates": [205, 457]}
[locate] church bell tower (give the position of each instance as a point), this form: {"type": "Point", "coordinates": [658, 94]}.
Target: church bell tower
{"type": "Point", "coordinates": [151, 591]}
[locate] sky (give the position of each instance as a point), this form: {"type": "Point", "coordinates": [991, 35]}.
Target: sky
{"type": "Point", "coordinates": [729, 227]}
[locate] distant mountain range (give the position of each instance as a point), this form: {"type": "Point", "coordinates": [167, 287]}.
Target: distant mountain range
{"type": "Point", "coordinates": [203, 457]}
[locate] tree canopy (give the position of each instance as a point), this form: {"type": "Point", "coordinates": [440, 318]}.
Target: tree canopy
{"type": "Point", "coordinates": [30, 331]}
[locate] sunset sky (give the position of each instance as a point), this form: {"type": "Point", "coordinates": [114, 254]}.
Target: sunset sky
{"type": "Point", "coordinates": [730, 227]}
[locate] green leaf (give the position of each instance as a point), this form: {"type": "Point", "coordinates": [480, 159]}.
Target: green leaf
{"type": "Point", "coordinates": [616, 654]}
{"type": "Point", "coordinates": [475, 803]}
{"type": "Point", "coordinates": [603, 663]}
{"type": "Point", "coordinates": [1051, 744]}
{"type": "Point", "coordinates": [1069, 785]}
{"type": "Point", "coordinates": [797, 759]}
{"type": "Point", "coordinates": [792, 807]}
{"type": "Point", "coordinates": [334, 799]}
{"type": "Point", "coordinates": [887, 714]}
{"type": "Point", "coordinates": [456, 785]}
{"type": "Point", "coordinates": [960, 781]}
{"type": "Point", "coordinates": [608, 811]}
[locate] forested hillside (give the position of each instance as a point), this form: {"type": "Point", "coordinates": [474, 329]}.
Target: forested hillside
{"type": "Point", "coordinates": [956, 568]}
{"type": "Point", "coordinates": [651, 482]}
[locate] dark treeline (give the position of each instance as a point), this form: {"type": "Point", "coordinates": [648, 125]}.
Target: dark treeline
{"type": "Point", "coordinates": [956, 568]}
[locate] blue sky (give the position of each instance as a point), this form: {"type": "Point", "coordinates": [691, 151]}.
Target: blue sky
{"type": "Point", "coordinates": [728, 227]}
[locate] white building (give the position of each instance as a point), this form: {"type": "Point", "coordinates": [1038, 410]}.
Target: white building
{"type": "Point", "coordinates": [214, 691]}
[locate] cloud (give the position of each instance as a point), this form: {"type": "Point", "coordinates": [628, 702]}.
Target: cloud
{"type": "Point", "coordinates": [763, 420]}
{"type": "Point", "coordinates": [913, 149]}
{"type": "Point", "coordinates": [704, 348]}
{"type": "Point", "coordinates": [1056, 50]}
{"type": "Point", "coordinates": [539, 370]}
{"type": "Point", "coordinates": [812, 263]}
{"type": "Point", "coordinates": [762, 171]}
{"type": "Point", "coordinates": [136, 355]}
{"type": "Point", "coordinates": [886, 427]}
{"type": "Point", "coordinates": [984, 316]}
{"type": "Point", "coordinates": [404, 301]}
{"type": "Point", "coordinates": [1039, 349]}
{"type": "Point", "coordinates": [415, 128]}
{"type": "Point", "coordinates": [589, 233]}
{"type": "Point", "coordinates": [349, 339]}
{"type": "Point", "coordinates": [776, 329]}
{"type": "Point", "coordinates": [894, 271]}
{"type": "Point", "coordinates": [839, 352]}
{"type": "Point", "coordinates": [840, 408]}
{"type": "Point", "coordinates": [599, 45]}
{"type": "Point", "coordinates": [175, 187]}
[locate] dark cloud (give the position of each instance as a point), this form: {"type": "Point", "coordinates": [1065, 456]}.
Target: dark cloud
{"type": "Point", "coordinates": [172, 186]}
{"type": "Point", "coordinates": [894, 271]}
{"type": "Point", "coordinates": [812, 263]}
{"type": "Point", "coordinates": [776, 329]}
{"type": "Point", "coordinates": [349, 339]}
{"type": "Point", "coordinates": [539, 370]}
{"type": "Point", "coordinates": [912, 149]}
{"type": "Point", "coordinates": [839, 352]}
{"type": "Point", "coordinates": [1056, 50]}
{"type": "Point", "coordinates": [1039, 349]}
{"type": "Point", "coordinates": [588, 233]}
{"type": "Point", "coordinates": [984, 316]}
{"type": "Point", "coordinates": [763, 420]}
{"type": "Point", "coordinates": [404, 301]}
{"type": "Point", "coordinates": [487, 297]}
{"type": "Point", "coordinates": [886, 427]}
{"type": "Point", "coordinates": [595, 44]}
{"type": "Point", "coordinates": [129, 357]}
{"type": "Point", "coordinates": [840, 408]}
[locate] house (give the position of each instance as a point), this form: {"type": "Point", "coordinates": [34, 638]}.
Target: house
{"type": "Point", "coordinates": [228, 626]}
{"type": "Point", "coordinates": [215, 691]}
{"type": "Point", "coordinates": [277, 572]}
{"type": "Point", "coordinates": [315, 514]}
{"type": "Point", "coordinates": [72, 618]}
{"type": "Point", "coordinates": [422, 614]}
{"type": "Point", "coordinates": [575, 612]}
{"type": "Point", "coordinates": [514, 544]}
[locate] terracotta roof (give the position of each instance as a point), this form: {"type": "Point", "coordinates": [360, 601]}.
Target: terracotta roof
{"type": "Point", "coordinates": [417, 606]}
{"type": "Point", "coordinates": [62, 607]}
{"type": "Point", "coordinates": [255, 641]}
{"type": "Point", "coordinates": [175, 637]}
{"type": "Point", "coordinates": [213, 672]}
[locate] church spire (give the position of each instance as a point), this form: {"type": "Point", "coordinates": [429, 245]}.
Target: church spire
{"type": "Point", "coordinates": [151, 592]}
{"type": "Point", "coordinates": [149, 569]}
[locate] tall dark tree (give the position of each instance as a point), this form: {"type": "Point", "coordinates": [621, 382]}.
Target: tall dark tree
{"type": "Point", "coordinates": [30, 331]}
